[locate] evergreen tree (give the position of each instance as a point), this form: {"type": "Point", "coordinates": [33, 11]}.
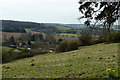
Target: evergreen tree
{"type": "Point", "coordinates": [41, 37]}
{"type": "Point", "coordinates": [60, 40]}
{"type": "Point", "coordinates": [12, 41]}
{"type": "Point", "coordinates": [29, 42]}
{"type": "Point", "coordinates": [33, 38]}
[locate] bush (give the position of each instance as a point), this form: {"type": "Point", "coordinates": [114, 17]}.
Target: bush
{"type": "Point", "coordinates": [5, 57]}
{"type": "Point", "coordinates": [73, 45]}
{"type": "Point", "coordinates": [9, 55]}
{"type": "Point", "coordinates": [67, 46]}
{"type": "Point", "coordinates": [85, 40]}
{"type": "Point", "coordinates": [99, 39]}
{"type": "Point", "coordinates": [38, 51]}
{"type": "Point", "coordinates": [14, 54]}
{"type": "Point", "coordinates": [112, 37]}
{"type": "Point", "coordinates": [60, 40]}
{"type": "Point", "coordinates": [62, 47]}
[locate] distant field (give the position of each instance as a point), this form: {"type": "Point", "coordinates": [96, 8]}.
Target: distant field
{"type": "Point", "coordinates": [63, 28]}
{"type": "Point", "coordinates": [117, 29]}
{"type": "Point", "coordinates": [65, 38]}
{"type": "Point", "coordinates": [67, 35]}
{"type": "Point", "coordinates": [9, 34]}
{"type": "Point", "coordinates": [87, 62]}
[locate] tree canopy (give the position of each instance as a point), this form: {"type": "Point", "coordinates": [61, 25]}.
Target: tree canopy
{"type": "Point", "coordinates": [103, 13]}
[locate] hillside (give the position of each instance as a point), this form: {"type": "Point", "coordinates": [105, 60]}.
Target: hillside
{"type": "Point", "coordinates": [88, 61]}
{"type": "Point", "coordinates": [76, 25]}
{"type": "Point", "coordinates": [20, 26]}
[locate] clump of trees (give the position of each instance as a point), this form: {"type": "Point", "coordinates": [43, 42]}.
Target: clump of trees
{"type": "Point", "coordinates": [85, 39]}
{"type": "Point", "coordinates": [112, 37]}
{"type": "Point", "coordinates": [67, 46]}
{"type": "Point", "coordinates": [37, 37]}
{"type": "Point", "coordinates": [18, 30]}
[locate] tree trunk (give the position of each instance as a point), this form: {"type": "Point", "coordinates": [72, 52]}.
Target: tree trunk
{"type": "Point", "coordinates": [109, 25]}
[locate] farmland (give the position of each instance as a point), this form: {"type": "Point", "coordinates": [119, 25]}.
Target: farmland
{"type": "Point", "coordinates": [67, 35]}
{"type": "Point", "coordinates": [87, 62]}
{"type": "Point", "coordinates": [63, 27]}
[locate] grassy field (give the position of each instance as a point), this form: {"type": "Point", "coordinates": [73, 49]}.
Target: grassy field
{"type": "Point", "coordinates": [65, 38]}
{"type": "Point", "coordinates": [67, 35]}
{"type": "Point", "coordinates": [88, 61]}
{"type": "Point", "coordinates": [117, 29]}
{"type": "Point", "coordinates": [63, 28]}
{"type": "Point", "coordinates": [6, 49]}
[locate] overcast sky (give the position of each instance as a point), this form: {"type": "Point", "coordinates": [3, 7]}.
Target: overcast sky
{"type": "Point", "coordinates": [43, 11]}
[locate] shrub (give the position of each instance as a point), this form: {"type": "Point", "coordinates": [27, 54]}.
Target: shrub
{"type": "Point", "coordinates": [73, 45]}
{"type": "Point", "coordinates": [9, 55]}
{"type": "Point", "coordinates": [5, 57]}
{"type": "Point", "coordinates": [85, 40]}
{"type": "Point", "coordinates": [112, 37]}
{"type": "Point", "coordinates": [38, 51]}
{"type": "Point", "coordinates": [60, 40]}
{"type": "Point", "coordinates": [62, 47]}
{"type": "Point", "coordinates": [14, 54]}
{"type": "Point", "coordinates": [67, 46]}
{"type": "Point", "coordinates": [25, 51]}
{"type": "Point", "coordinates": [99, 39]}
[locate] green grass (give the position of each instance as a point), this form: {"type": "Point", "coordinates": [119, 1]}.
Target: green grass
{"type": "Point", "coordinates": [22, 48]}
{"type": "Point", "coordinates": [63, 28]}
{"type": "Point", "coordinates": [117, 29]}
{"type": "Point", "coordinates": [67, 35]}
{"type": "Point", "coordinates": [88, 61]}
{"type": "Point", "coordinates": [1, 41]}
{"type": "Point", "coordinates": [33, 42]}
{"type": "Point", "coordinates": [6, 49]}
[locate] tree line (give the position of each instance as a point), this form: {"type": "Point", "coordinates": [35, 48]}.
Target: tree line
{"type": "Point", "coordinates": [17, 30]}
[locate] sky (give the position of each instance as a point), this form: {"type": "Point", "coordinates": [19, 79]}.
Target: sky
{"type": "Point", "coordinates": [42, 11]}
